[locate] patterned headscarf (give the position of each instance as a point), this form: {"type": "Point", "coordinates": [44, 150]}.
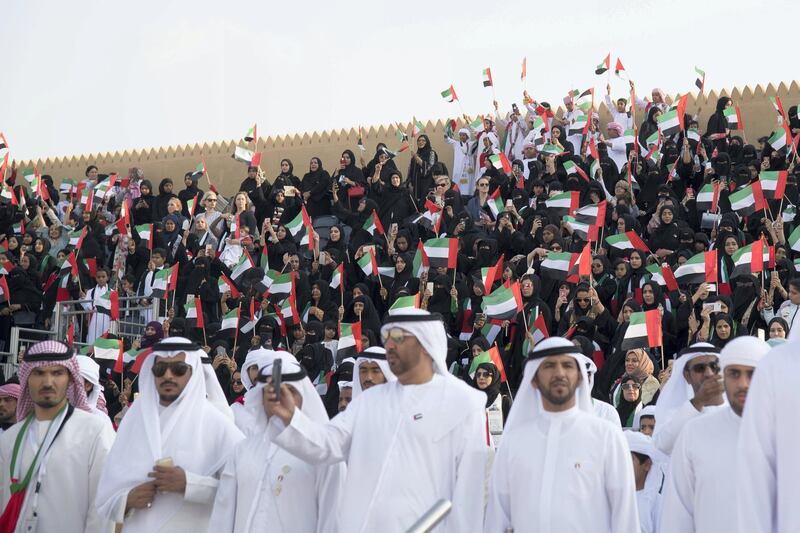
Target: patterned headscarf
{"type": "Point", "coordinates": [44, 354]}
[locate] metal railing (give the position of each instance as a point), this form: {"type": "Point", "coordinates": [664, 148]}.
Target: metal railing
{"type": "Point", "coordinates": [133, 316]}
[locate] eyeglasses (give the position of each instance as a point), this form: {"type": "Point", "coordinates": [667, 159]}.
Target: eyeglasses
{"type": "Point", "coordinates": [700, 368]}
{"type": "Point", "coordinates": [177, 368]}
{"type": "Point", "coordinates": [631, 386]}
{"type": "Point", "coordinates": [482, 374]}
{"type": "Point", "coordinates": [396, 334]}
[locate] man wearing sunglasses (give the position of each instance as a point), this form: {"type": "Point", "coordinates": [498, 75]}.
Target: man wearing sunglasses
{"type": "Point", "coordinates": [694, 389]}
{"type": "Point", "coordinates": [163, 470]}
{"type": "Point", "coordinates": [407, 443]}
{"type": "Point", "coordinates": [700, 493]}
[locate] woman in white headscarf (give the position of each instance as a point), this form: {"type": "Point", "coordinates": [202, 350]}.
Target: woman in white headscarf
{"type": "Point", "coordinates": [265, 488]}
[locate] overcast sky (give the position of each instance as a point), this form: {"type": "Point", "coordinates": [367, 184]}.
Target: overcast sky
{"type": "Point", "coordinates": [84, 77]}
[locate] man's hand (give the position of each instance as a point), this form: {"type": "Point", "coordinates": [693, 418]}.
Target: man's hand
{"type": "Point", "coordinates": [169, 479]}
{"type": "Point", "coordinates": [710, 392]}
{"type": "Point", "coordinates": [283, 409]}
{"type": "Point", "coordinates": [141, 496]}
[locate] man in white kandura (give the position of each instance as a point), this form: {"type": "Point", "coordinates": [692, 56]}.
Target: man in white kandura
{"type": "Point", "coordinates": [547, 477]}
{"type": "Point", "coordinates": [265, 488]}
{"type": "Point", "coordinates": [694, 389]}
{"type": "Point", "coordinates": [649, 477]}
{"type": "Point", "coordinates": [408, 443]}
{"type": "Point", "coordinates": [371, 369]}
{"type": "Point", "coordinates": [768, 464]}
{"type": "Point", "coordinates": [51, 459]}
{"type": "Point", "coordinates": [700, 494]}
{"type": "Point", "coordinates": [162, 473]}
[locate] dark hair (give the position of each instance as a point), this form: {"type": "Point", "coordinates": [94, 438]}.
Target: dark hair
{"type": "Point", "coordinates": [89, 169]}
{"type": "Point", "coordinates": [160, 251]}
{"type": "Point", "coordinates": [794, 282]}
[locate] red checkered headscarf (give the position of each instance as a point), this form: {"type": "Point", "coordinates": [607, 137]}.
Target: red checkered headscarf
{"type": "Point", "coordinates": [50, 353]}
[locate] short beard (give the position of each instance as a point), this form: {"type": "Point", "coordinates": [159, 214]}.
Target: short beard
{"type": "Point", "coordinates": [47, 404]}
{"type": "Point", "coordinates": [167, 399]}
{"type": "Point", "coordinates": [557, 400]}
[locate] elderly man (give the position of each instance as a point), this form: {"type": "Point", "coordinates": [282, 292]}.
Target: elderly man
{"type": "Point", "coordinates": [407, 444]}
{"type": "Point", "coordinates": [371, 369]}
{"type": "Point", "coordinates": [265, 488]}
{"type": "Point", "coordinates": [9, 394]}
{"type": "Point", "coordinates": [700, 494]}
{"type": "Point", "coordinates": [163, 470]}
{"type": "Point", "coordinates": [50, 461]}
{"type": "Point", "coordinates": [694, 389]}
{"type": "Point", "coordinates": [767, 483]}
{"type": "Point", "coordinates": [544, 466]}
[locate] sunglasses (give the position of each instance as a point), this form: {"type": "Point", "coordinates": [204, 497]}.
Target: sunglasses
{"type": "Point", "coordinates": [631, 386]}
{"type": "Point", "coordinates": [211, 199]}
{"type": "Point", "coordinates": [177, 368]}
{"type": "Point", "coordinates": [482, 374]}
{"type": "Point", "coordinates": [396, 334]}
{"type": "Point", "coordinates": [583, 299]}
{"type": "Point", "coordinates": [237, 381]}
{"type": "Point", "coordinates": [483, 185]}
{"type": "Point", "coordinates": [700, 368]}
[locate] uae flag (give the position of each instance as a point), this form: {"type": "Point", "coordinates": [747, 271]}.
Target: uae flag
{"type": "Point", "coordinates": [492, 355]}
{"type": "Point", "coordinates": [496, 203]}
{"type": "Point", "coordinates": [551, 149]}
{"type": "Point", "coordinates": [604, 65]}
{"type": "Point", "coordinates": [405, 302]}
{"type": "Point", "coordinates": [449, 94]}
{"type": "Point", "coordinates": [794, 239]}
{"type": "Point", "coordinates": [279, 285]}
{"type": "Point", "coordinates": [581, 228]}
{"type": "Point", "coordinates": [700, 82]}
{"type": "Point", "coordinates": [4, 291]}
{"type": "Point", "coordinates": [194, 311]}
{"type": "Point", "coordinates": [579, 125]}
{"type": "Point", "coordinates": [109, 349]}
{"type": "Point", "coordinates": [420, 263]}
{"type": "Point", "coordinates": [629, 240]}
{"type": "Point", "coordinates": [776, 103]}
{"type": "Point", "coordinates": [538, 330]}
{"type": "Point", "coordinates": [373, 224]}
{"type": "Point", "coordinates": [287, 312]}
{"type": "Point", "coordinates": [557, 265]}
{"type": "Point", "coordinates": [708, 197]}
{"type": "Point", "coordinates": [564, 203]}
{"type": "Point", "coordinates": [224, 284]}
{"type": "Point", "coordinates": [108, 304]}
{"type": "Point", "coordinates": [697, 269]}
{"type": "Point", "coordinates": [442, 252]}
{"type": "Point", "coordinates": [491, 274]}
{"type": "Point", "coordinates": [245, 264]}
{"type": "Point", "coordinates": [750, 259]}
{"type": "Point", "coordinates": [504, 303]}
{"type": "Point", "coordinates": [773, 183]}
{"type": "Point", "coordinates": [748, 200]}
{"type": "Point", "coordinates": [161, 283]}
{"type": "Point", "coordinates": [582, 267]}
{"type": "Point", "coordinates": [789, 213]}
{"type": "Point", "coordinates": [573, 168]}
{"type": "Point", "coordinates": [500, 162]}
{"type": "Point", "coordinates": [200, 169]}
{"type": "Point", "coordinates": [252, 134]}
{"type": "Point", "coordinates": [644, 331]}
{"type": "Point", "coordinates": [670, 123]}
{"type": "Point", "coordinates": [368, 264]}
{"type": "Point", "coordinates": [300, 224]}
{"type": "Point", "coordinates": [145, 233]}
{"type": "Point", "coordinates": [349, 340]}
{"type": "Point", "coordinates": [337, 279]}
{"type": "Point", "coordinates": [619, 69]}
{"type": "Point", "coordinates": [664, 276]}
{"type": "Point", "coordinates": [231, 320]}
{"type": "Point", "coordinates": [487, 77]}
{"type": "Point", "coordinates": [781, 138]}
{"type": "Point", "coordinates": [592, 214]}
{"type": "Point", "coordinates": [734, 117]}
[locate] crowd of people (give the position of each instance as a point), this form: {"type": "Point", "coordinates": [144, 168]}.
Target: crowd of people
{"type": "Point", "coordinates": [550, 283]}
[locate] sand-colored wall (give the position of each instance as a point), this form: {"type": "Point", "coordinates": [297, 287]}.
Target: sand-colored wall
{"type": "Point", "coordinates": [226, 173]}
